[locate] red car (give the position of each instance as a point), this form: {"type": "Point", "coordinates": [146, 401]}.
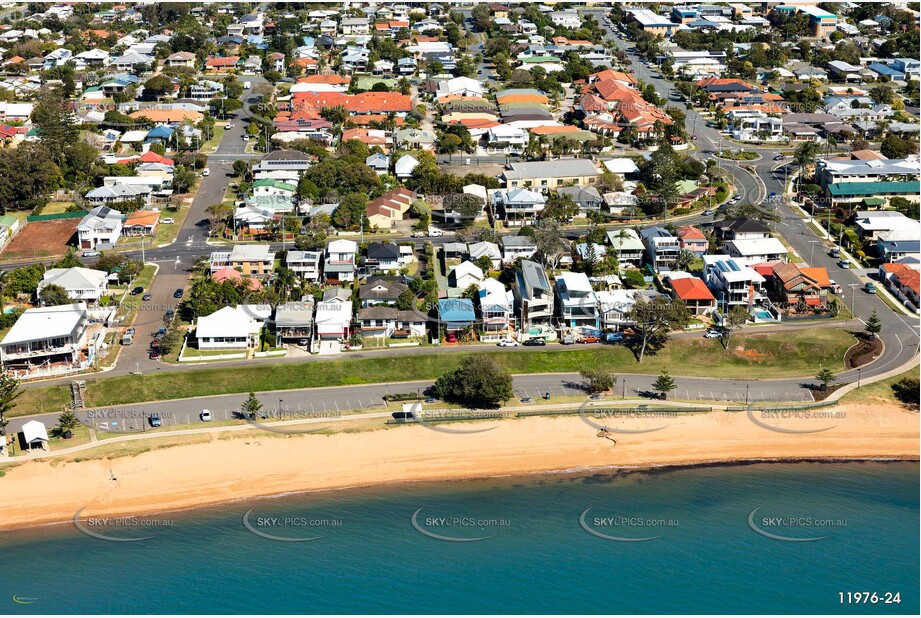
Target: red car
{"type": "Point", "coordinates": [451, 338]}
{"type": "Point", "coordinates": [589, 339]}
{"type": "Point", "coordinates": [154, 354]}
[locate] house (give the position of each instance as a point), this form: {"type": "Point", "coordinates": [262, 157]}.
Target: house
{"type": "Point", "coordinates": [547, 175]}
{"type": "Point", "coordinates": [495, 306]}
{"type": "Point", "coordinates": [141, 223]}
{"type": "Point", "coordinates": [404, 166]}
{"type": "Point", "coordinates": [81, 284]}
{"type": "Point", "coordinates": [180, 59]}
{"type": "Point", "coordinates": [388, 322]}
{"type": "Point", "coordinates": [382, 257]}
{"type": "Point", "coordinates": [756, 250]}
{"type": "Point", "coordinates": [518, 207]}
{"type": "Point", "coordinates": [566, 19]}
{"type": "Point", "coordinates": [275, 188]}
{"type": "Point", "coordinates": [294, 320]}
{"type": "Point", "coordinates": [731, 282]}
{"type": "Point", "coordinates": [506, 139]}
{"type": "Point", "coordinates": [740, 228]}
{"type": "Point", "coordinates": [488, 249]}
{"type": "Point", "coordinates": [627, 245]}
{"type": "Point", "coordinates": [575, 300]}
{"type": "Point", "coordinates": [288, 160]}
{"type": "Point", "coordinates": [378, 162]}
{"type": "Point", "coordinates": [334, 315]}
{"type": "Point", "coordinates": [100, 228]}
{"type": "Point", "coordinates": [695, 295]}
{"type": "Point", "coordinates": [9, 226]}
{"type": "Point", "coordinates": [661, 247]}
{"type": "Point", "coordinates": [851, 194]}
{"type": "Point", "coordinates": [515, 247]}
{"type": "Point", "coordinates": [902, 280]}
{"type": "Point", "coordinates": [305, 264]}
{"type": "Point", "coordinates": [381, 290]}
{"type": "Point", "coordinates": [252, 260]}
{"type": "Point", "coordinates": [231, 328]}
{"type": "Point", "coordinates": [692, 239]}
{"type": "Point", "coordinates": [205, 90]}
{"type": "Point", "coordinates": [389, 208]}
{"type": "Point", "coordinates": [464, 275]}
{"type": "Point", "coordinates": [871, 223]}
{"type": "Point", "coordinates": [586, 198]}
{"type": "Point", "coordinates": [340, 261]}
{"type": "Point", "coordinates": [533, 294]}
{"type": "Point", "coordinates": [46, 340]}
{"type": "Point", "coordinates": [650, 22]}
{"type": "Point", "coordinates": [791, 284]}
{"type": "Point", "coordinates": [456, 314]}
{"type": "Point", "coordinates": [236, 277]}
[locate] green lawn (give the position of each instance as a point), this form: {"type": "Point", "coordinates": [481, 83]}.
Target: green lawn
{"type": "Point", "coordinates": [878, 391]}
{"type": "Point", "coordinates": [212, 144]}
{"type": "Point", "coordinates": [751, 355]}
{"type": "Point", "coordinates": [54, 208]}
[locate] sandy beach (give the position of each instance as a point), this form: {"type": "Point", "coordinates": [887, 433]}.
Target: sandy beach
{"type": "Point", "coordinates": [230, 467]}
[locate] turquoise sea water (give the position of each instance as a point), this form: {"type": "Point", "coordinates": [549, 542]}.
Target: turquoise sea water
{"type": "Point", "coordinates": [538, 558]}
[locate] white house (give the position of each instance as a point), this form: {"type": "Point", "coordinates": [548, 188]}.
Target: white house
{"type": "Point", "coordinates": [81, 284]}
{"type": "Point", "coordinates": [231, 327]}
{"type": "Point", "coordinates": [464, 275]}
{"type": "Point", "coordinates": [756, 250]}
{"type": "Point", "coordinates": [46, 340]}
{"type": "Point", "coordinates": [334, 315]}
{"type": "Point", "coordinates": [340, 260]}
{"type": "Point", "coordinates": [100, 229]}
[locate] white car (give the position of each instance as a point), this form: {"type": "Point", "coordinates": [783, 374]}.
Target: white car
{"type": "Point", "coordinates": [205, 415]}
{"type": "Point", "coordinates": [712, 334]}
{"type": "Point", "coordinates": [228, 126]}
{"type": "Point", "coordinates": [168, 220]}
{"type": "Point", "coordinates": [508, 343]}
{"type": "Point", "coordinates": [434, 232]}
{"type": "Point", "coordinates": [206, 172]}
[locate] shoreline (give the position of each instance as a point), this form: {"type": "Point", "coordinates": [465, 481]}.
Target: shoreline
{"type": "Point", "coordinates": [579, 471]}
{"type": "Point", "coordinates": [237, 468]}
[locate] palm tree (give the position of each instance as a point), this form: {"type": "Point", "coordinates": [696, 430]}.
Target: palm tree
{"type": "Point", "coordinates": [284, 281]}
{"type": "Point", "coordinates": [805, 153]}
{"type": "Point", "coordinates": [4, 282]}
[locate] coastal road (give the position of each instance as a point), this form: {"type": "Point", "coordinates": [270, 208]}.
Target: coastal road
{"type": "Point", "coordinates": [334, 401]}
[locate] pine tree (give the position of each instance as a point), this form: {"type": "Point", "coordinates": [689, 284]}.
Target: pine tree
{"type": "Point", "coordinates": [663, 384]}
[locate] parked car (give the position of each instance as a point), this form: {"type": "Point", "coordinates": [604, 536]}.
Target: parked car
{"type": "Point", "coordinates": [205, 415]}
{"type": "Point", "coordinates": [431, 400]}
{"type": "Point", "coordinates": [137, 291]}
{"type": "Point", "coordinates": [178, 293]}
{"type": "Point", "coordinates": [508, 343]}
{"type": "Point", "coordinates": [146, 296]}
{"type": "Point", "coordinates": [844, 264]}
{"type": "Point", "coordinates": [834, 287]}
{"type": "Point", "coordinates": [154, 344]}
{"type": "Point", "coordinates": [567, 340]}
{"type": "Point", "coordinates": [547, 395]}
{"type": "Point", "coordinates": [708, 212]}
{"type": "Point", "coordinates": [614, 338]}
{"type": "Point", "coordinates": [870, 287]}
{"type": "Point", "coordinates": [130, 331]}
{"type": "Point", "coordinates": [589, 339]}
{"type": "Point", "coordinates": [206, 172]}
{"type": "Point", "coordinates": [595, 396]}
{"type": "Point", "coordinates": [434, 232]}
{"type": "Point", "coordinates": [535, 342]}
{"type": "Point", "coordinates": [168, 220]}
{"type": "Point", "coordinates": [451, 338]}
{"type": "Point", "coordinates": [169, 314]}
{"type": "Point", "coordinates": [526, 400]}
{"type": "Point", "coordinates": [712, 334]}
{"type": "Point", "coordinates": [228, 126]}
{"type": "Point", "coordinates": [91, 253]}
{"type": "Point", "coordinates": [779, 157]}
{"type": "Point", "coordinates": [419, 234]}
{"type": "Point", "coordinates": [303, 343]}
{"type": "Point", "coordinates": [835, 252]}
{"type": "Point", "coordinates": [155, 420]}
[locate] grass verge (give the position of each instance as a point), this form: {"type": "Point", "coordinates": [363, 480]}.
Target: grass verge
{"type": "Point", "coordinates": [878, 392]}
{"type": "Point", "coordinates": [751, 355]}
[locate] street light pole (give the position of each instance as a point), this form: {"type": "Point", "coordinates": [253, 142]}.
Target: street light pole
{"type": "Point", "coordinates": [746, 394]}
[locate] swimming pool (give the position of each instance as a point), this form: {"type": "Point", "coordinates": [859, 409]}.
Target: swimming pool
{"type": "Point", "coordinates": [762, 314]}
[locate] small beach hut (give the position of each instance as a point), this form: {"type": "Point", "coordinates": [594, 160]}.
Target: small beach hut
{"type": "Point", "coordinates": [34, 435]}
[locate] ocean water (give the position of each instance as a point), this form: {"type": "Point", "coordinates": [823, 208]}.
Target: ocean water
{"type": "Point", "coordinates": [535, 556]}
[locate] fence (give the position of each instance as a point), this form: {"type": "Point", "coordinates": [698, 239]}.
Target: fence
{"type": "Point", "coordinates": [594, 409]}
{"type": "Point", "coordinates": [803, 406]}
{"type": "Point", "coordinates": [56, 216]}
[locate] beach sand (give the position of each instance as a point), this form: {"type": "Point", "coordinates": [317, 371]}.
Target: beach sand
{"type": "Point", "coordinates": [240, 467]}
